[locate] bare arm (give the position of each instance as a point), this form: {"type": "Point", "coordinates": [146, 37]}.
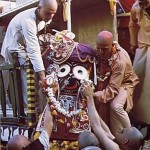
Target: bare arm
{"type": "Point", "coordinates": [48, 121]}
{"type": "Point", "coordinates": [41, 75]}
{"type": "Point", "coordinates": [46, 127]}
{"type": "Point", "coordinates": [96, 125]}
{"type": "Point", "coordinates": [46, 130]}
{"type": "Point", "coordinates": [107, 130]}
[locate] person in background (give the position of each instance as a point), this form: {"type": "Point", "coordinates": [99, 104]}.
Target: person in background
{"type": "Point", "coordinates": [20, 142]}
{"type": "Point", "coordinates": [129, 138]}
{"type": "Point", "coordinates": [139, 27]}
{"type": "Point", "coordinates": [21, 39]}
{"type": "Point", "coordinates": [114, 68]}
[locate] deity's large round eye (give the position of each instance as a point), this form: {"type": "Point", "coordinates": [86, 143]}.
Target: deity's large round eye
{"type": "Point", "coordinates": [64, 70]}
{"type": "Point", "coordinates": [80, 72]}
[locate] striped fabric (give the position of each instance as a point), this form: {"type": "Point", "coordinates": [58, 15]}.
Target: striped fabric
{"type": "Point", "coordinates": [30, 93]}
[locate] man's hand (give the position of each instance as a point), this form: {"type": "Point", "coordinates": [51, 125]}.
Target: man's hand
{"type": "Point", "coordinates": [42, 81]}
{"type": "Point", "coordinates": [43, 86]}
{"type": "Point", "coordinates": [87, 89]}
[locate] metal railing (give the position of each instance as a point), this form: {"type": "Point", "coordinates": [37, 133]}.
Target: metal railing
{"type": "Point", "coordinates": [21, 120]}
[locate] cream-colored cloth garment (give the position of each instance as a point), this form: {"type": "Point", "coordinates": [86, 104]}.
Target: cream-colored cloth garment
{"type": "Point", "coordinates": [122, 75]}
{"type": "Point", "coordinates": [139, 27]}
{"type": "Point", "coordinates": [21, 37]}
{"type": "Point", "coordinates": [118, 116]}
{"type": "Point", "coordinates": [141, 64]}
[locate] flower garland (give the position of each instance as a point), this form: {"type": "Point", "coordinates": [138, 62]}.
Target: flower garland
{"type": "Point", "coordinates": [111, 59]}
{"type": "Point", "coordinates": [103, 78]}
{"type": "Point", "coordinates": [56, 104]}
{"type": "Point", "coordinates": [107, 74]}
{"type": "Point", "coordinates": [58, 107]}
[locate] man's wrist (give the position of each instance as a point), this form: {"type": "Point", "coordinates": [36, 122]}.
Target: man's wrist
{"type": "Point", "coordinates": [41, 75]}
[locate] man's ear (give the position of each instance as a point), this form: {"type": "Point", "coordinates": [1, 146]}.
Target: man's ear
{"type": "Point", "coordinates": [113, 48]}
{"type": "Point", "coordinates": [125, 141]}
{"type": "Point", "coordinates": [39, 7]}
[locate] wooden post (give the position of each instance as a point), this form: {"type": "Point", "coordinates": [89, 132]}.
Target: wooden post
{"type": "Point", "coordinates": [69, 15]}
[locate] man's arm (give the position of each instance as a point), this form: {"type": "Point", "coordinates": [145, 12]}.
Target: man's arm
{"type": "Point", "coordinates": [102, 136]}
{"type": "Point", "coordinates": [48, 121]}
{"type": "Point", "coordinates": [42, 75]}
{"type": "Point", "coordinates": [42, 143]}
{"type": "Point", "coordinates": [29, 29]}
{"type": "Point", "coordinates": [42, 81]}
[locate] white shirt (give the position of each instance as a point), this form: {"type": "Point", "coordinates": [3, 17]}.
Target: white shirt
{"type": "Point", "coordinates": [44, 139]}
{"type": "Point", "coordinates": [21, 37]}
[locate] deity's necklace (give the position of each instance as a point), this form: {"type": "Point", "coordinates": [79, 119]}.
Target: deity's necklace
{"type": "Point", "coordinates": [56, 104]}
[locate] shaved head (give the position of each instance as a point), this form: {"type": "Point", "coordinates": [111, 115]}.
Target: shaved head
{"type": "Point", "coordinates": [47, 9]}
{"type": "Point", "coordinates": [87, 138]}
{"type": "Point", "coordinates": [48, 3]}
{"type": "Point", "coordinates": [134, 136]}
{"type": "Point", "coordinates": [104, 37]}
{"type": "Point", "coordinates": [104, 44]}
{"type": "Point", "coordinates": [17, 142]}
{"type": "Point", "coordinates": [131, 138]}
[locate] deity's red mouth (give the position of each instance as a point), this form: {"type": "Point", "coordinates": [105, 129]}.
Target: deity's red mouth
{"type": "Point", "coordinates": [70, 87]}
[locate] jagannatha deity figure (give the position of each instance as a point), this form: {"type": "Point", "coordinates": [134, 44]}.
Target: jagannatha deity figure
{"type": "Point", "coordinates": [67, 63]}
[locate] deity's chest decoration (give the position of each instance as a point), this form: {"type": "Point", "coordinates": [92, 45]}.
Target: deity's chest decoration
{"type": "Point", "coordinates": [68, 105]}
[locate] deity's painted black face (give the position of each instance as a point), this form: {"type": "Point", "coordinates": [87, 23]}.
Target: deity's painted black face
{"type": "Point", "coordinates": [69, 76]}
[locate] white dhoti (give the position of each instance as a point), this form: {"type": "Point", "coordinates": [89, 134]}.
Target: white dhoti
{"type": "Point", "coordinates": [141, 64]}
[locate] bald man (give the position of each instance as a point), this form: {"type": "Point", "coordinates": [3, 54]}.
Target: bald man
{"type": "Point", "coordinates": [130, 138]}
{"type": "Point", "coordinates": [114, 68]}
{"type": "Point", "coordinates": [21, 39]}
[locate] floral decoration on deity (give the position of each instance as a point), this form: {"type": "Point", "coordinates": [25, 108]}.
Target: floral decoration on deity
{"type": "Point", "coordinates": [67, 63]}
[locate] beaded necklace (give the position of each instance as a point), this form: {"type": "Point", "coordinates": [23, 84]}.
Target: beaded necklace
{"type": "Point", "coordinates": [104, 76]}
